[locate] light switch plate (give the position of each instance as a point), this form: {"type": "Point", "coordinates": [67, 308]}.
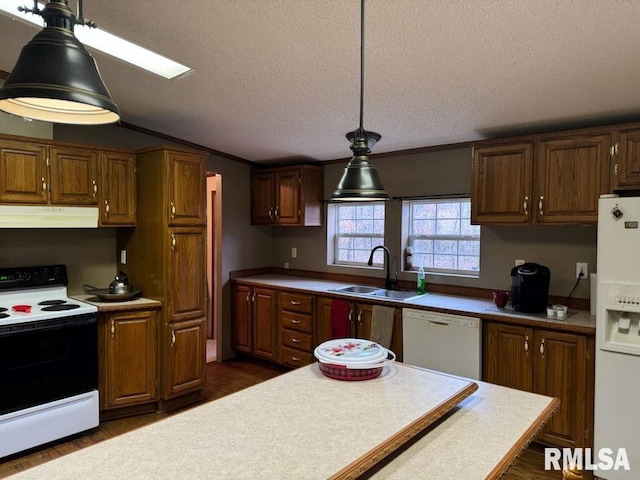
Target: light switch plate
{"type": "Point", "coordinates": [123, 257]}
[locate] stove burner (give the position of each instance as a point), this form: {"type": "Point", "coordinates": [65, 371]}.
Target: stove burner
{"type": "Point", "coordinates": [52, 302]}
{"type": "Point", "coordinates": [2, 309]}
{"type": "Point", "coordinates": [4, 315]}
{"type": "Point", "coordinates": [64, 306]}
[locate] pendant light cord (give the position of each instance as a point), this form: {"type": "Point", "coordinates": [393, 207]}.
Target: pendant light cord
{"type": "Point", "coordinates": [361, 65]}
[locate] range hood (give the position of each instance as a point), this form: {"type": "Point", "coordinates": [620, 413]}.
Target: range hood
{"type": "Point", "coordinates": [48, 216]}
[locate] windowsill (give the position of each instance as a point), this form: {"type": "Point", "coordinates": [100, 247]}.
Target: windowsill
{"type": "Point", "coordinates": [445, 274]}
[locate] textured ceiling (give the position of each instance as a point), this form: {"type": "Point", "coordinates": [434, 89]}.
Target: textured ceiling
{"type": "Point", "coordinates": [279, 79]}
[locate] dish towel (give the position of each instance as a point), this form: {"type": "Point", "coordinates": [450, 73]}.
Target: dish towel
{"type": "Point", "coordinates": [340, 327]}
{"type": "Point", "coordinates": [382, 325]}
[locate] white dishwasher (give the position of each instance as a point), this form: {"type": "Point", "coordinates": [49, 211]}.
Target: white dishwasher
{"type": "Point", "coordinates": [442, 342]}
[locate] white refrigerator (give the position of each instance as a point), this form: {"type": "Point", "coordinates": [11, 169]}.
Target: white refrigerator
{"type": "Point", "coordinates": [617, 382]}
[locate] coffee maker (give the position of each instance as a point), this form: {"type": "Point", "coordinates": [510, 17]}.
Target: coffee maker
{"type": "Point", "coordinates": [530, 287]}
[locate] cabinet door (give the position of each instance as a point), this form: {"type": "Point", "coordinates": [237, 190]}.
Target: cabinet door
{"type": "Point", "coordinates": [264, 324]}
{"type": "Point", "coordinates": [241, 319]}
{"type": "Point", "coordinates": [185, 357]}
{"type": "Point", "coordinates": [560, 368]}
{"type": "Point", "coordinates": [322, 321]}
{"type": "Point", "coordinates": [571, 176]}
{"type": "Point", "coordinates": [186, 275]}
{"type": "Point", "coordinates": [187, 184]}
{"type": "Point", "coordinates": [508, 355]}
{"type": "Point", "coordinates": [130, 372]}
{"type": "Point", "coordinates": [117, 189]}
{"type": "Point", "coordinates": [24, 176]}
{"type": "Point", "coordinates": [362, 321]}
{"type": "Point", "coordinates": [501, 184]}
{"type": "Point", "coordinates": [288, 197]}
{"type": "Point", "coordinates": [74, 176]}
{"type": "Point", "coordinates": [262, 199]}
{"type": "Point", "coordinates": [628, 164]}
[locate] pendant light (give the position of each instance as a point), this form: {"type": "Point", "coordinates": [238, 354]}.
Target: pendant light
{"type": "Point", "coordinates": [360, 181]}
{"type": "Point", "coordinates": [55, 79]}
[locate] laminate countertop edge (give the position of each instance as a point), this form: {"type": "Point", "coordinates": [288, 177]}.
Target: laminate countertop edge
{"type": "Point", "coordinates": [139, 303]}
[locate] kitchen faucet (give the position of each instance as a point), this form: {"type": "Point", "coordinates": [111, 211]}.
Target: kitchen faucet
{"type": "Point", "coordinates": [388, 283]}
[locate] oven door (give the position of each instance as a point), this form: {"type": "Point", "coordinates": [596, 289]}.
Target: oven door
{"type": "Point", "coordinates": [47, 360]}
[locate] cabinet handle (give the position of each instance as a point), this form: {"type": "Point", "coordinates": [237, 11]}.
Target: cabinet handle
{"type": "Point", "coordinates": [351, 316]}
{"type": "Point", "coordinates": [276, 212]}
{"type": "Point", "coordinates": [295, 340]}
{"type": "Point", "coordinates": [106, 208]}
{"type": "Point", "coordinates": [295, 303]}
{"type": "Point", "coordinates": [253, 298]}
{"type": "Point", "coordinates": [113, 329]}
{"type": "Point", "coordinates": [295, 359]}
{"type": "Point", "coordinates": [295, 322]}
{"type": "Point", "coordinates": [173, 210]}
{"type": "Point", "coordinates": [540, 204]}
{"type": "Point", "coordinates": [271, 213]}
{"type": "Point", "coordinates": [360, 317]}
{"type": "Point", "coordinates": [248, 295]}
{"type": "Point", "coordinates": [173, 242]}
{"type": "Point", "coordinates": [44, 186]}
{"type": "Point", "coordinates": [173, 338]}
{"type": "Point", "coordinates": [526, 205]}
{"type": "Point", "coordinates": [95, 188]}
{"type": "Point", "coordinates": [526, 343]}
{"type": "Point", "coordinates": [542, 347]}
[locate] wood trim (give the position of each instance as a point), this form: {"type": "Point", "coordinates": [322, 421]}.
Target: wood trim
{"type": "Point", "coordinates": [524, 440]}
{"type": "Point", "coordinates": [393, 443]}
{"type": "Point", "coordinates": [55, 143]}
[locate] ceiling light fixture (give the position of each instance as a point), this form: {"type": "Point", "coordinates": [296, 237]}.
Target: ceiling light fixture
{"type": "Point", "coordinates": [360, 181]}
{"type": "Point", "coordinates": [55, 79]}
{"type": "Point", "coordinates": [108, 43]}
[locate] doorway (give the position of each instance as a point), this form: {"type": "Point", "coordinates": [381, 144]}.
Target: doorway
{"type": "Point", "coordinates": [214, 265]}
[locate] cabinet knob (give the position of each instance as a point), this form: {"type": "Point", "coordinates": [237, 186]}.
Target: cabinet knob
{"type": "Point", "coordinates": [295, 303]}
{"type": "Point", "coordinates": [248, 295]}
{"type": "Point", "coordinates": [525, 205]}
{"type": "Point", "coordinates": [106, 208]}
{"type": "Point", "coordinates": [295, 339]}
{"type": "Point", "coordinates": [173, 210]}
{"type": "Point", "coordinates": [95, 188]}
{"type": "Point", "coordinates": [360, 317]}
{"type": "Point", "coordinates": [526, 343]}
{"type": "Point", "coordinates": [276, 212]}
{"type": "Point", "coordinates": [271, 213]}
{"type": "Point", "coordinates": [173, 338]}
{"type": "Point", "coordinates": [113, 329]}
{"type": "Point", "coordinates": [542, 347]}
{"type": "Point", "coordinates": [173, 242]}
{"type": "Point", "coordinates": [351, 316]}
{"type": "Point", "coordinates": [540, 204]}
{"type": "Point", "coordinates": [295, 322]}
{"type": "Point", "coordinates": [44, 186]}
{"type": "Point", "coordinates": [295, 359]}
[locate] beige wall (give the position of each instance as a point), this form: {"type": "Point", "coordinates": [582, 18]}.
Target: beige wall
{"type": "Point", "coordinates": [439, 173]}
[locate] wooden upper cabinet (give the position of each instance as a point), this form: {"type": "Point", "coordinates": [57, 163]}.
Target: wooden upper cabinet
{"type": "Point", "coordinates": [24, 176]}
{"type": "Point", "coordinates": [627, 159]}
{"type": "Point", "coordinates": [501, 184]}
{"type": "Point", "coordinates": [571, 175]}
{"type": "Point", "coordinates": [117, 189]}
{"type": "Point", "coordinates": [74, 176]}
{"type": "Point", "coordinates": [287, 196]}
{"type": "Point", "coordinates": [187, 184]}
{"type": "Point", "coordinates": [186, 296]}
{"type": "Point", "coordinates": [262, 198]}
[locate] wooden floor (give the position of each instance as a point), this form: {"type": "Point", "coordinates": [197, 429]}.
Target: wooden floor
{"type": "Point", "coordinates": [224, 378]}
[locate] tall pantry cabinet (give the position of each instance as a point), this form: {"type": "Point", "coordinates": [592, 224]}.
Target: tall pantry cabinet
{"type": "Point", "coordinates": [166, 260]}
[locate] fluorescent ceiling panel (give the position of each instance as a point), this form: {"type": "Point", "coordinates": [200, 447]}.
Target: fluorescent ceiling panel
{"type": "Point", "coordinates": [106, 42]}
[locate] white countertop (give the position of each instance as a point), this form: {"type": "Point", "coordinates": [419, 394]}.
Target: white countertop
{"type": "Point", "coordinates": [579, 319]}
{"type": "Point", "coordinates": [302, 425]}
{"type": "Point", "coordinates": [133, 304]}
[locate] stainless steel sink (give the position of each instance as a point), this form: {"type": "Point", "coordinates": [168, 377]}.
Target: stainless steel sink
{"type": "Point", "coordinates": [395, 294]}
{"type": "Point", "coordinates": [366, 289]}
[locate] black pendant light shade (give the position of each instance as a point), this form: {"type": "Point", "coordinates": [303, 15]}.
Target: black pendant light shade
{"type": "Point", "coordinates": [360, 180]}
{"type": "Point", "coordinates": [55, 79]}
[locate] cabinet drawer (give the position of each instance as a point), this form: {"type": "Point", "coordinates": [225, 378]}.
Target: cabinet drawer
{"type": "Point", "coordinates": [296, 302]}
{"type": "Point", "coordinates": [296, 321]}
{"type": "Point", "coordinates": [293, 339]}
{"type": "Point", "coordinates": [295, 358]}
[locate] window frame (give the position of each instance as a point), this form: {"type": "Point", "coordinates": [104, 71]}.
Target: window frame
{"type": "Point", "coordinates": [333, 233]}
{"type": "Point", "coordinates": [409, 237]}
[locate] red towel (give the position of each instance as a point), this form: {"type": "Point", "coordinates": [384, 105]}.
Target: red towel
{"type": "Point", "coordinates": [340, 327]}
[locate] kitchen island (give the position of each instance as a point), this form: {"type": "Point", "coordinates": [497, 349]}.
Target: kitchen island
{"type": "Point", "coordinates": [302, 425]}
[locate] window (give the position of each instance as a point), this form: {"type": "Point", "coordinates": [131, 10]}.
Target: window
{"type": "Point", "coordinates": [441, 237]}
{"type": "Point", "coordinates": [357, 228]}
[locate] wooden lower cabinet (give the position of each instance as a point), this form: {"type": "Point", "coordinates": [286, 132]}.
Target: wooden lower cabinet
{"type": "Point", "coordinates": [548, 362]}
{"type": "Point", "coordinates": [184, 357]}
{"type": "Point", "coordinates": [128, 359]}
{"type": "Point", "coordinates": [253, 321]}
{"type": "Point", "coordinates": [295, 317]}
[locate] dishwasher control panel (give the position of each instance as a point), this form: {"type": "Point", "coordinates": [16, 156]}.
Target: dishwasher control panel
{"type": "Point", "coordinates": [442, 318]}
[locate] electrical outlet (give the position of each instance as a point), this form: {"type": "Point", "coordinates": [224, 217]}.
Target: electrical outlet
{"type": "Point", "coordinates": [294, 252]}
{"type": "Point", "coordinates": [123, 257]}
{"type": "Point", "coordinates": [286, 264]}
{"type": "Point", "coordinates": [582, 267]}
{"type": "Point", "coordinates": [519, 262]}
